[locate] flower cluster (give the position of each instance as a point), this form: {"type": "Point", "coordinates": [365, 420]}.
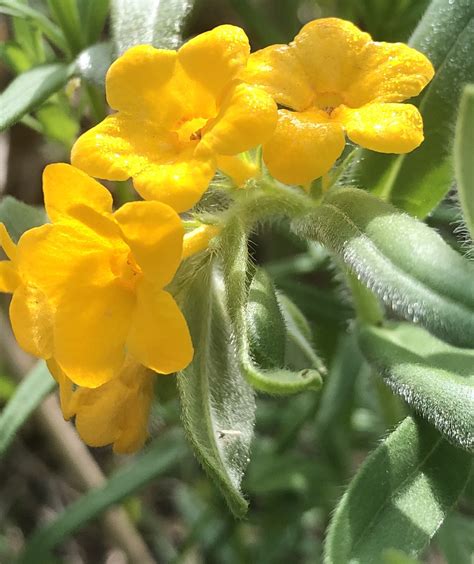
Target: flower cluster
{"type": "Point", "coordinates": [89, 288]}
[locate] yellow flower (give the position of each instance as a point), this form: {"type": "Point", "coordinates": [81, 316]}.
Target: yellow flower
{"type": "Point", "coordinates": [115, 413]}
{"type": "Point", "coordinates": [88, 288]}
{"type": "Point", "coordinates": [177, 113]}
{"type": "Point", "coordinates": [336, 80]}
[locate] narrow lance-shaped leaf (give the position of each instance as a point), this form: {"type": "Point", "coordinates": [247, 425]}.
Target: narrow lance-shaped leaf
{"type": "Point", "coordinates": [399, 497]}
{"type": "Point", "coordinates": [403, 261]}
{"type": "Point", "coordinates": [234, 256]}
{"type": "Point", "coordinates": [463, 156]}
{"type": "Point", "coordinates": [30, 89]}
{"type": "Point", "coordinates": [28, 396]}
{"type": "Point", "coordinates": [218, 405]}
{"type": "Point", "coordinates": [418, 181]}
{"type": "Point", "coordinates": [153, 22]}
{"type": "Point", "coordinates": [436, 379]}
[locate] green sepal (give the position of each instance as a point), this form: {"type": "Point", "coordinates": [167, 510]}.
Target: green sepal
{"type": "Point", "coordinates": [434, 378]}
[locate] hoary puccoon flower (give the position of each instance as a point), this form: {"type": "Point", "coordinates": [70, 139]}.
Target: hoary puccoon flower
{"type": "Point", "coordinates": [88, 298]}
{"type": "Point", "coordinates": [334, 80]}
{"type": "Point", "coordinates": [180, 115]}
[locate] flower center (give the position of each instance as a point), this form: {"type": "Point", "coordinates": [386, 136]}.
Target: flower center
{"type": "Point", "coordinates": [190, 129]}
{"type": "Point", "coordinates": [126, 269]}
{"type": "Point", "coordinates": [327, 101]}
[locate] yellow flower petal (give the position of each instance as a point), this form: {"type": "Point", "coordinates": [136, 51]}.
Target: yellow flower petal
{"type": "Point", "coordinates": [179, 183]}
{"type": "Point", "coordinates": [159, 337]}
{"type": "Point", "coordinates": [31, 315]}
{"type": "Point", "coordinates": [386, 128]}
{"type": "Point", "coordinates": [91, 324]}
{"type": "Point", "coordinates": [214, 58]}
{"type": "Point", "coordinates": [247, 118]}
{"type": "Point", "coordinates": [9, 279]}
{"type": "Point", "coordinates": [137, 83]}
{"type": "Point", "coordinates": [66, 187]}
{"type": "Point", "coordinates": [304, 146]}
{"type": "Point", "coordinates": [67, 394]}
{"type": "Point", "coordinates": [238, 168]}
{"type": "Point", "coordinates": [328, 49]}
{"type": "Point", "coordinates": [278, 70]}
{"type": "Point", "coordinates": [154, 232]}
{"type": "Point", "coordinates": [388, 72]}
{"type": "Point", "coordinates": [121, 147]}
{"type": "Point", "coordinates": [198, 240]}
{"type": "Point", "coordinates": [117, 412]}
{"type": "Point", "coordinates": [6, 243]}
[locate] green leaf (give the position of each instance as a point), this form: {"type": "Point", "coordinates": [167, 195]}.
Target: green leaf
{"type": "Point", "coordinates": [154, 22]}
{"type": "Point", "coordinates": [399, 497]}
{"type": "Point", "coordinates": [19, 217]}
{"type": "Point", "coordinates": [265, 324]}
{"type": "Point", "coordinates": [164, 453]}
{"type": "Point", "coordinates": [22, 10]}
{"type": "Point", "coordinates": [218, 406]}
{"type": "Point", "coordinates": [93, 63]}
{"type": "Point", "coordinates": [456, 539]}
{"type": "Point", "coordinates": [464, 162]}
{"type": "Point", "coordinates": [397, 557]}
{"type": "Point", "coordinates": [58, 123]}
{"type": "Point", "coordinates": [66, 14]}
{"type": "Point", "coordinates": [34, 387]}
{"type": "Point", "coordinates": [93, 14]}
{"type": "Point", "coordinates": [30, 89]}
{"type": "Point", "coordinates": [436, 379]}
{"type": "Point", "coordinates": [234, 256]}
{"type": "Point", "coordinates": [418, 181]}
{"type": "Point", "coordinates": [404, 262]}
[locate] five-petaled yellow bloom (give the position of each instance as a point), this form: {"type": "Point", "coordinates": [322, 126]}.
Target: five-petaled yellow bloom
{"type": "Point", "coordinates": [180, 115]}
{"type": "Point", "coordinates": [335, 80]}
{"type": "Point", "coordinates": [88, 288]}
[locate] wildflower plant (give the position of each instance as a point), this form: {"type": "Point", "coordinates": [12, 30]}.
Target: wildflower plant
{"type": "Point", "coordinates": [347, 145]}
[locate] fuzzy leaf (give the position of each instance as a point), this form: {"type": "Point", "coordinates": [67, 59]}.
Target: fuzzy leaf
{"type": "Point", "coordinates": [399, 497]}
{"type": "Point", "coordinates": [218, 405]}
{"type": "Point", "coordinates": [436, 379]}
{"type": "Point", "coordinates": [464, 162]}
{"type": "Point", "coordinates": [404, 262]}
{"type": "Point", "coordinates": [154, 22]}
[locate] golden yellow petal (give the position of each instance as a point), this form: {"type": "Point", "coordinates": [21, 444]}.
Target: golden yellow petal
{"type": "Point", "coordinates": [385, 128]}
{"type": "Point", "coordinates": [238, 168]}
{"type": "Point", "coordinates": [179, 183]}
{"type": "Point", "coordinates": [198, 240]}
{"type": "Point", "coordinates": [388, 72]}
{"type": "Point", "coordinates": [304, 146]}
{"type": "Point", "coordinates": [6, 243]}
{"type": "Point", "coordinates": [247, 118]}
{"type": "Point", "coordinates": [31, 315]}
{"type": "Point", "coordinates": [154, 233]}
{"type": "Point", "coordinates": [279, 72]}
{"type": "Point", "coordinates": [117, 412]}
{"type": "Point", "coordinates": [66, 187]}
{"type": "Point", "coordinates": [67, 394]}
{"type": "Point", "coordinates": [328, 50]}
{"type": "Point", "coordinates": [215, 57]}
{"type": "Point", "coordinates": [159, 337]}
{"type": "Point", "coordinates": [9, 278]}
{"type": "Point", "coordinates": [138, 83]}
